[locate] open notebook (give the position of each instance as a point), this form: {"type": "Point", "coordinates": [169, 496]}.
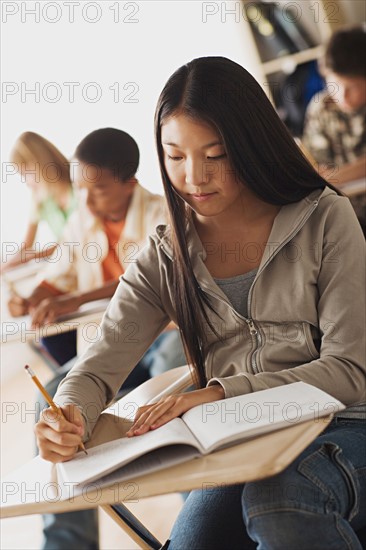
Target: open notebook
{"type": "Point", "coordinates": [200, 431]}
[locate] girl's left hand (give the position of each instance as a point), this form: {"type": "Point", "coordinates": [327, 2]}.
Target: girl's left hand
{"type": "Point", "coordinates": [153, 416]}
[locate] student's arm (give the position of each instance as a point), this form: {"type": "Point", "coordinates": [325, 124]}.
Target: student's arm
{"type": "Point", "coordinates": [340, 369]}
{"type": "Point", "coordinates": [105, 291]}
{"type": "Point", "coordinates": [153, 416]}
{"type": "Point", "coordinates": [57, 277]}
{"type": "Point", "coordinates": [52, 307]}
{"type": "Point", "coordinates": [316, 143]}
{"type": "Point", "coordinates": [18, 305]}
{"type": "Point", "coordinates": [348, 172]}
{"type": "Point", "coordinates": [22, 257]}
{"type": "Point", "coordinates": [138, 312]}
{"type": "Point", "coordinates": [59, 437]}
{"type": "Point", "coordinates": [30, 234]}
{"type": "Point", "coordinates": [46, 303]}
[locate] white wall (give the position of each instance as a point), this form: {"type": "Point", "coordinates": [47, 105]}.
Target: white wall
{"type": "Point", "coordinates": [130, 42]}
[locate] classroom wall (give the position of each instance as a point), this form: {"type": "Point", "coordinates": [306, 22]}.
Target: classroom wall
{"type": "Point", "coordinates": [69, 71]}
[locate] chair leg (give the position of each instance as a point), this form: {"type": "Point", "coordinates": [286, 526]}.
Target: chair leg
{"type": "Point", "coordinates": [132, 526]}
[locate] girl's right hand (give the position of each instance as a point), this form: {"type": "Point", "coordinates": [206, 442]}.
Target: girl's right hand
{"type": "Point", "coordinates": [59, 437]}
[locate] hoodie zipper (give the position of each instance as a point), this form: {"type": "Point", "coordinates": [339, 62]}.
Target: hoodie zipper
{"type": "Point", "coordinates": [254, 332]}
{"type": "Point", "coordinates": [256, 336]}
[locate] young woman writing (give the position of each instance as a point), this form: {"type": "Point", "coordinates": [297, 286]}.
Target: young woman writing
{"type": "Point", "coordinates": [262, 268]}
{"type": "Point", "coordinates": [47, 173]}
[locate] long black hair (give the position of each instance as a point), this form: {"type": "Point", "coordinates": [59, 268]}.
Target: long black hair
{"type": "Point", "coordinates": [260, 150]}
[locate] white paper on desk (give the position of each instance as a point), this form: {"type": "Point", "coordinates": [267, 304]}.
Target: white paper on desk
{"type": "Point", "coordinates": [160, 459]}
{"type": "Point", "coordinates": [257, 413]}
{"type": "Point", "coordinates": [105, 458]}
{"type": "Point", "coordinates": [35, 481]}
{"type": "Point", "coordinates": [19, 328]}
{"type": "Point", "coordinates": [208, 427]}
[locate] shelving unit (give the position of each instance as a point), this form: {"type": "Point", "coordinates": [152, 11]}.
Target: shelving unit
{"type": "Point", "coordinates": [318, 19]}
{"type": "Point", "coordinates": [286, 62]}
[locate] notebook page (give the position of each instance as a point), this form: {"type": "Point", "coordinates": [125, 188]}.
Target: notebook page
{"type": "Point", "coordinates": [238, 418]}
{"type": "Point", "coordinates": [107, 457]}
{"type": "Point", "coordinates": [151, 462]}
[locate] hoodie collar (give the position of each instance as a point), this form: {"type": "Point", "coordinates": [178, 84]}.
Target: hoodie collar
{"type": "Point", "coordinates": [287, 223]}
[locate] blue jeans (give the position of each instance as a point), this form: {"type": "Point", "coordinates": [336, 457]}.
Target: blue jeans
{"type": "Point", "coordinates": [167, 350]}
{"type": "Point", "coordinates": [62, 347]}
{"type": "Point", "coordinates": [79, 530]}
{"type": "Point", "coordinates": [317, 503]}
{"type": "Point", "coordinates": [70, 530]}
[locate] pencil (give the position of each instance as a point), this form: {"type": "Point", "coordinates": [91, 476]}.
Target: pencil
{"type": "Point", "coordinates": [48, 398]}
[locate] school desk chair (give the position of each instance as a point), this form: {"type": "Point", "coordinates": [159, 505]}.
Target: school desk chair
{"type": "Point", "coordinates": [17, 330]}
{"type": "Point", "coordinates": [266, 456]}
{"type": "Point", "coordinates": [173, 381]}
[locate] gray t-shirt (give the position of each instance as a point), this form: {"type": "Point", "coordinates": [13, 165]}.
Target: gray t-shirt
{"type": "Point", "coordinates": [237, 290]}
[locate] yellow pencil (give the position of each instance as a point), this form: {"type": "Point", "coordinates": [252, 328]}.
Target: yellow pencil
{"type": "Point", "coordinates": [48, 398]}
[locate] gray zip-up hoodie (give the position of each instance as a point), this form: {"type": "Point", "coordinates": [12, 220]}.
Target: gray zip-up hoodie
{"type": "Point", "coordinates": [306, 312]}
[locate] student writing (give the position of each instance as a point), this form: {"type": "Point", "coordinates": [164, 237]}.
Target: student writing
{"type": "Point", "coordinates": [111, 224]}
{"type": "Point", "coordinates": [46, 172]}
{"type": "Point", "coordinates": [280, 311]}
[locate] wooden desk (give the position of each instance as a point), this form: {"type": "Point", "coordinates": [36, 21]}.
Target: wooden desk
{"type": "Point", "coordinates": [16, 331]}
{"type": "Point", "coordinates": [354, 188]}
{"type": "Point", "coordinates": [33, 489]}
{"type": "Point", "coordinates": [20, 345]}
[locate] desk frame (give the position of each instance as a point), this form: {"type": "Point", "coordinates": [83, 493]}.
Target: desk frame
{"type": "Point", "coordinates": [265, 456]}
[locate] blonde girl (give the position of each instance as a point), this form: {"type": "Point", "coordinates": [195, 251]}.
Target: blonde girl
{"type": "Point", "coordinates": [47, 173]}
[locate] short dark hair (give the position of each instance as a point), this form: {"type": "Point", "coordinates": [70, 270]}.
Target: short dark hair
{"type": "Point", "coordinates": [112, 149]}
{"type": "Point", "coordinates": [344, 55]}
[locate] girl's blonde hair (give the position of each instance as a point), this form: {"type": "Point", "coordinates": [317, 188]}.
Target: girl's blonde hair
{"type": "Point", "coordinates": [33, 152]}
